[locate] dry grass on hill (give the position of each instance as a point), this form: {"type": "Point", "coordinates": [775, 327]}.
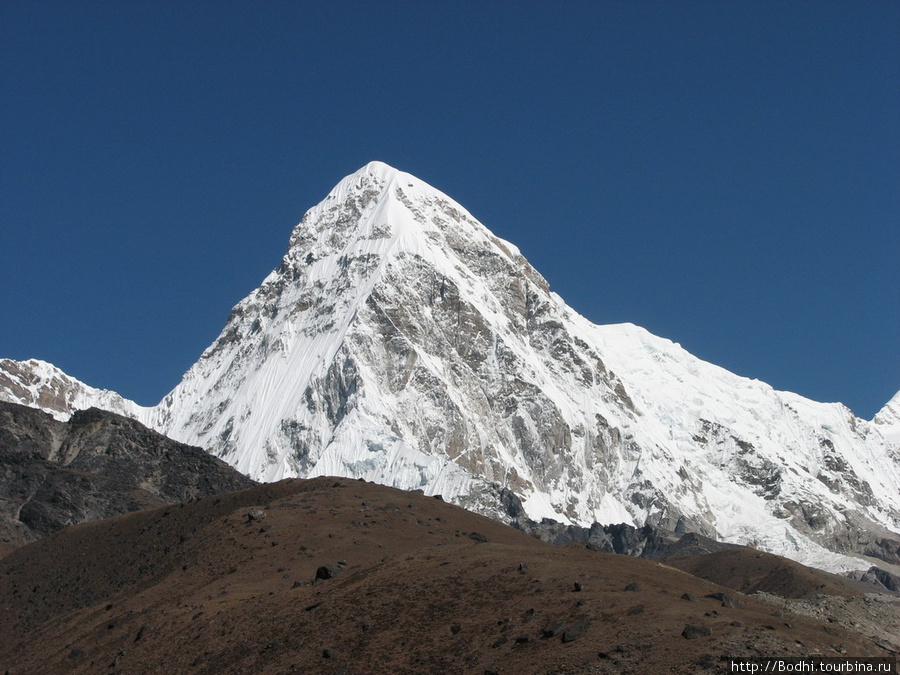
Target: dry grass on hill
{"type": "Point", "coordinates": [227, 584]}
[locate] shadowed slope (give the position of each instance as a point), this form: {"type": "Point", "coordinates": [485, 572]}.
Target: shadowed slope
{"type": "Point", "coordinates": [748, 571]}
{"type": "Point", "coordinates": [96, 465]}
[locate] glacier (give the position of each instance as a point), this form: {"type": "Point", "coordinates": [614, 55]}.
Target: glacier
{"type": "Point", "coordinates": [401, 342]}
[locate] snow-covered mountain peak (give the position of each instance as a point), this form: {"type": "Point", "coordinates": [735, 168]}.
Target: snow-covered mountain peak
{"type": "Point", "coordinates": [380, 170]}
{"type": "Point", "coordinates": [380, 241]}
{"type": "Point", "coordinates": [380, 210]}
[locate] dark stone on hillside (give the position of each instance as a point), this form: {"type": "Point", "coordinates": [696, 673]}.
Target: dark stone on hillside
{"type": "Point", "coordinates": [634, 586]}
{"type": "Point", "coordinates": [726, 600]}
{"type": "Point", "coordinates": [523, 639]}
{"type": "Point", "coordinates": [649, 542]}
{"type": "Point", "coordinates": [511, 503]}
{"type": "Point", "coordinates": [709, 661]}
{"type": "Point", "coordinates": [500, 642]}
{"type": "Point", "coordinates": [97, 465]}
{"type": "Point", "coordinates": [692, 544]}
{"type": "Point", "coordinates": [646, 542]}
{"type": "Point", "coordinates": [255, 514]}
{"type": "Point", "coordinates": [553, 631]}
{"type": "Point", "coordinates": [690, 597]}
{"type": "Point", "coordinates": [694, 632]}
{"type": "Point", "coordinates": [328, 571]}
{"type": "Point", "coordinates": [572, 633]}
{"type": "Point", "coordinates": [879, 578]}
{"type": "Point", "coordinates": [577, 587]}
{"type": "Point", "coordinates": [478, 537]}
{"type": "Point", "coordinates": [886, 549]}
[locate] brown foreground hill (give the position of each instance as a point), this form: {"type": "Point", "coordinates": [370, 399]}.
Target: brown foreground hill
{"type": "Point", "coordinates": [337, 576]}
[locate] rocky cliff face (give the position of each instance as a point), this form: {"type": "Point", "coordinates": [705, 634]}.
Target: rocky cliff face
{"type": "Point", "coordinates": [96, 465]}
{"type": "Point", "coordinates": [401, 342]}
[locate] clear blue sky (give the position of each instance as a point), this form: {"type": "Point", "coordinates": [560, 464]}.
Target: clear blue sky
{"type": "Point", "coordinates": [725, 174]}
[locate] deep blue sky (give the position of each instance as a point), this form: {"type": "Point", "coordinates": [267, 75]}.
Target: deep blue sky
{"type": "Point", "coordinates": [725, 174]}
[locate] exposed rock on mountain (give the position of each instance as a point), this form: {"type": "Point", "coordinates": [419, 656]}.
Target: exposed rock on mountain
{"type": "Point", "coordinates": [96, 465]}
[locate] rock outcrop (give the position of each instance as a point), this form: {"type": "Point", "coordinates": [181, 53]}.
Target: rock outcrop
{"type": "Point", "coordinates": [97, 465]}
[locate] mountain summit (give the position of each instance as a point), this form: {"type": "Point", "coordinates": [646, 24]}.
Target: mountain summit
{"type": "Point", "coordinates": [382, 346]}
{"type": "Point", "coordinates": [401, 342]}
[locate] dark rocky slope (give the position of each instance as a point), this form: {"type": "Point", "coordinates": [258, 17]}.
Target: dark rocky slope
{"type": "Point", "coordinates": [96, 465]}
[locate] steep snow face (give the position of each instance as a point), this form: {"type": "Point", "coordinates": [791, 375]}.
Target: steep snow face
{"type": "Point", "coordinates": [357, 354]}
{"type": "Point", "coordinates": [888, 421]}
{"type": "Point", "coordinates": [41, 385]}
{"type": "Point", "coordinates": [401, 342]}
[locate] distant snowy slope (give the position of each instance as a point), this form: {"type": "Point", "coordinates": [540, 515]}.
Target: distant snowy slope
{"type": "Point", "coordinates": [888, 421]}
{"type": "Point", "coordinates": [766, 465]}
{"type": "Point", "coordinates": [41, 385]}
